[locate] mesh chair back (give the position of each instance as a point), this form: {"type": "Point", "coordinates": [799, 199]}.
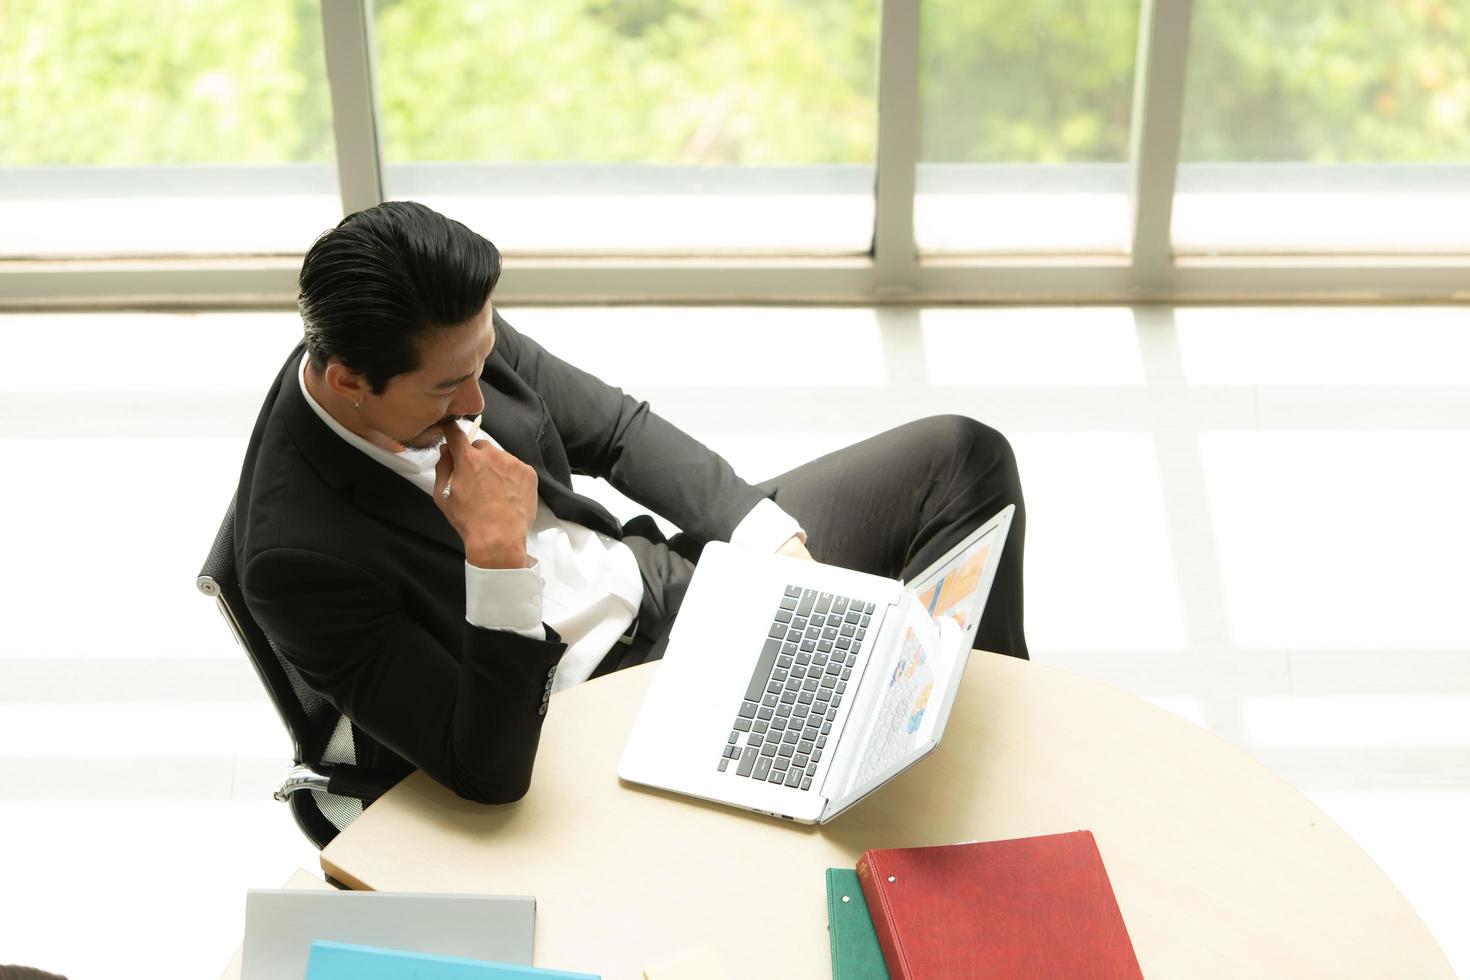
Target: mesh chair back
{"type": "Point", "coordinates": [318, 731]}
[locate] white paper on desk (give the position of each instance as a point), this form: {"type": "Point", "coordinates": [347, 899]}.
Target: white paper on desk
{"type": "Point", "coordinates": [280, 926]}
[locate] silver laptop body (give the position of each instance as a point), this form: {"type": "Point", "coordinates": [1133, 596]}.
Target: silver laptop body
{"type": "Point", "coordinates": [862, 712]}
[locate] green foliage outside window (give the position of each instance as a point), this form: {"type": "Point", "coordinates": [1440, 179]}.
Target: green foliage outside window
{"type": "Point", "coordinates": [1045, 81]}
{"type": "Point", "coordinates": [725, 81]}
{"type": "Point", "coordinates": [166, 81]}
{"type": "Point", "coordinates": [1330, 81]}
{"type": "Point", "coordinates": [647, 81]}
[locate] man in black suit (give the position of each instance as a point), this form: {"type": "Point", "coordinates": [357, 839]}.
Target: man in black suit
{"type": "Point", "coordinates": [430, 575]}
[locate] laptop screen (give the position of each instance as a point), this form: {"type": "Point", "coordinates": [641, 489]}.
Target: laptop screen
{"type": "Point", "coordinates": [956, 585]}
{"type": "Point", "coordinates": [913, 688]}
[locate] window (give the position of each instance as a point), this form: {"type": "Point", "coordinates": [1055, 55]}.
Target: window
{"type": "Point", "coordinates": [731, 146]}
{"type": "Point", "coordinates": [1333, 126]}
{"type": "Point", "coordinates": [163, 128]}
{"type": "Point", "coordinates": [1024, 126]}
{"type": "Point", "coordinates": [639, 126]}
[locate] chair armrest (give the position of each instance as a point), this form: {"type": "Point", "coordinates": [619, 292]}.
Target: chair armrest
{"type": "Point", "coordinates": [300, 777]}
{"type": "Point", "coordinates": [338, 779]}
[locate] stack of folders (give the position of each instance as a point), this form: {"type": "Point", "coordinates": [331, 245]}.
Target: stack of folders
{"type": "Point", "coordinates": [367, 931]}
{"type": "Point", "coordinates": [1036, 907]}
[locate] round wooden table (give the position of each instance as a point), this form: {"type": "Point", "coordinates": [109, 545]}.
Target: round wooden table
{"type": "Point", "coordinates": [1221, 869]}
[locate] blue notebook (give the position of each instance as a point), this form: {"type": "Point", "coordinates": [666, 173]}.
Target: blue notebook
{"type": "Point", "coordinates": [342, 961]}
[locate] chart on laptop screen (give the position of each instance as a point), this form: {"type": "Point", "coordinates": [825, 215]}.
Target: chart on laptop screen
{"type": "Point", "coordinates": [910, 686]}
{"type": "Point", "coordinates": [950, 594]}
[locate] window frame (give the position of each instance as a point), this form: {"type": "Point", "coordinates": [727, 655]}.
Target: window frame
{"type": "Point", "coordinates": [892, 271]}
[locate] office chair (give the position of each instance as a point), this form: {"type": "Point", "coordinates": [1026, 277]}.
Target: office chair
{"type": "Point", "coordinates": [325, 789]}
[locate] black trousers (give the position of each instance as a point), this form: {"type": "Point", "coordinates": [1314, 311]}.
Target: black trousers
{"type": "Point", "coordinates": [889, 505]}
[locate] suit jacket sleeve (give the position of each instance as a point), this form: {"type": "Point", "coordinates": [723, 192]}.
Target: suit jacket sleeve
{"type": "Point", "coordinates": [472, 724]}
{"type": "Point", "coordinates": [612, 435]}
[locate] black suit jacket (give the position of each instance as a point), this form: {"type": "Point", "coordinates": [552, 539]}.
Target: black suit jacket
{"type": "Point", "coordinates": [359, 578]}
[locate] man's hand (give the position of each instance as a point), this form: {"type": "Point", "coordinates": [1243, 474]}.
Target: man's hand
{"type": "Point", "coordinates": [795, 548]}
{"type": "Point", "coordinates": [491, 499]}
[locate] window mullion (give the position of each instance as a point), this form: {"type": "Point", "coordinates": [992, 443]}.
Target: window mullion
{"type": "Point", "coordinates": [1158, 105]}
{"type": "Point", "coordinates": [895, 255]}
{"type": "Point", "coordinates": [347, 28]}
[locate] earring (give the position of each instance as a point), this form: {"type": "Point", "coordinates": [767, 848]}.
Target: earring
{"type": "Point", "coordinates": [357, 404]}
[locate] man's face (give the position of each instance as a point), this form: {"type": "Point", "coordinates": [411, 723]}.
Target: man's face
{"type": "Point", "coordinates": [446, 385]}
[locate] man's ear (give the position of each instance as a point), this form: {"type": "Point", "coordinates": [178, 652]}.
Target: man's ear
{"type": "Point", "coordinates": [349, 384]}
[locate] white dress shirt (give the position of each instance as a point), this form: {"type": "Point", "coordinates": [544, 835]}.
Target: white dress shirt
{"type": "Point", "coordinates": [584, 584]}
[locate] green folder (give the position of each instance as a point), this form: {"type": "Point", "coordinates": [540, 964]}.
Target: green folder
{"type": "Point", "coordinates": [855, 952]}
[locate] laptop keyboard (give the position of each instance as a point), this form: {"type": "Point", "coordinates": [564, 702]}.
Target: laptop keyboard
{"type": "Point", "coordinates": [800, 680]}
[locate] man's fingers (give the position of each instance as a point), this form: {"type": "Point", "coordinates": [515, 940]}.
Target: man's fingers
{"type": "Point", "coordinates": [455, 436]}
{"type": "Point", "coordinates": [795, 547]}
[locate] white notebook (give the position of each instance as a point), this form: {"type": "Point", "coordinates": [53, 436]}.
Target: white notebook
{"type": "Point", "coordinates": [280, 925]}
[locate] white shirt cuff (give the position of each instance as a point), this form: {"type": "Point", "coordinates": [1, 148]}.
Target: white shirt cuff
{"type": "Point", "coordinates": [505, 599]}
{"type": "Point", "coordinates": [766, 528]}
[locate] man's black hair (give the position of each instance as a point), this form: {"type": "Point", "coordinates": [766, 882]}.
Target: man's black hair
{"type": "Point", "coordinates": [386, 277]}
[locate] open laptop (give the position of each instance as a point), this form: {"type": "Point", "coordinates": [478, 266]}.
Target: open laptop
{"type": "Point", "coordinates": [796, 689]}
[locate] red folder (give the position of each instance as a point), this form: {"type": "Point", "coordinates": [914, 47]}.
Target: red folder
{"type": "Point", "coordinates": [1036, 907]}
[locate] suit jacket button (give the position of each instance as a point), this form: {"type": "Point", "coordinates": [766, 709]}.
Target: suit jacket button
{"type": "Point", "coordinates": [542, 711]}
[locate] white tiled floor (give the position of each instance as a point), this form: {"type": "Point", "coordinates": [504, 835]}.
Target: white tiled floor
{"type": "Point", "coordinates": [1253, 517]}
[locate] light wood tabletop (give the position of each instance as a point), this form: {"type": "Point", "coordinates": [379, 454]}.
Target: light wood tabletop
{"type": "Point", "coordinates": [1221, 869]}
